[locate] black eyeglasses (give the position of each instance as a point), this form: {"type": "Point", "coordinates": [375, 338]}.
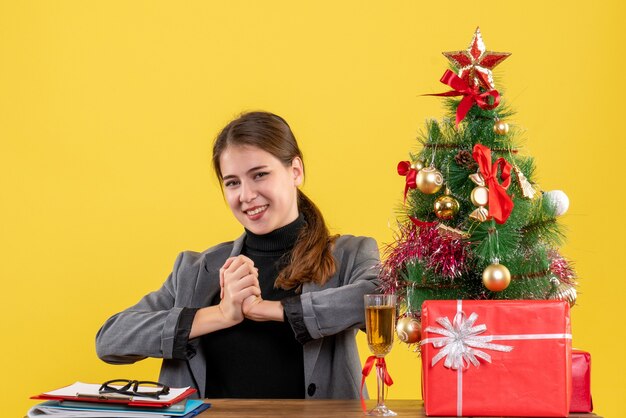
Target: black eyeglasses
{"type": "Point", "coordinates": [135, 388]}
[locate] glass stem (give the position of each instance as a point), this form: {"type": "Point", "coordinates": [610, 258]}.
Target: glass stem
{"type": "Point", "coordinates": [380, 384]}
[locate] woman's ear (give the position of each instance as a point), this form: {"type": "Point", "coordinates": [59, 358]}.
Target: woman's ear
{"type": "Point", "coordinates": [297, 168]}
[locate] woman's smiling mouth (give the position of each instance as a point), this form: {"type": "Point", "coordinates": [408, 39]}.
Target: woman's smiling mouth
{"type": "Point", "coordinates": [256, 210]}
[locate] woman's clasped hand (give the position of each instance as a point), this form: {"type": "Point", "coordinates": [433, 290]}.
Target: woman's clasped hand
{"type": "Point", "coordinates": [240, 290]}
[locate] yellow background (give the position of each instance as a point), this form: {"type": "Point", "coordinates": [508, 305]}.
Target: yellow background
{"type": "Point", "coordinates": [108, 110]}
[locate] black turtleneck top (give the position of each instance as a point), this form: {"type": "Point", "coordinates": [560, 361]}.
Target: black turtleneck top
{"type": "Point", "coordinates": [258, 359]}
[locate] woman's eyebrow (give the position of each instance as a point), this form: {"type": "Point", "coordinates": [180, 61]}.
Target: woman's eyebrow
{"type": "Point", "coordinates": [231, 176]}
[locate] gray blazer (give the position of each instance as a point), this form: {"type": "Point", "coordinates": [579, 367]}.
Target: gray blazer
{"type": "Point", "coordinates": [332, 313]}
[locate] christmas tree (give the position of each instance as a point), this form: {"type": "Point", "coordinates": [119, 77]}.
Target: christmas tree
{"type": "Point", "coordinates": [474, 223]}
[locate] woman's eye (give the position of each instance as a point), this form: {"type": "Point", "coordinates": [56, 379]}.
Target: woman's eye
{"type": "Point", "coordinates": [260, 174]}
{"type": "Point", "coordinates": [231, 183]}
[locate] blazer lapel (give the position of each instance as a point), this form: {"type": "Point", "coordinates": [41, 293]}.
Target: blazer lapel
{"type": "Point", "coordinates": [238, 245]}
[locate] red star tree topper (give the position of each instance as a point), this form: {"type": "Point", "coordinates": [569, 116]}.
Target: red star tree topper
{"type": "Point", "coordinates": [475, 63]}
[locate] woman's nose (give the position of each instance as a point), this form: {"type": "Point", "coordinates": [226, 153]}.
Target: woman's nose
{"type": "Point", "coordinates": [248, 193]}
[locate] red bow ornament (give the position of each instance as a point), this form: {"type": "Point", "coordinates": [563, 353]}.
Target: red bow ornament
{"type": "Point", "coordinates": [406, 169]}
{"type": "Point", "coordinates": [381, 369]}
{"type": "Point", "coordinates": [421, 224]}
{"type": "Point", "coordinates": [500, 203]}
{"type": "Point", "coordinates": [471, 95]}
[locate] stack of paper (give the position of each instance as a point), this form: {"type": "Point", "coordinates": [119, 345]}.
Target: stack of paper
{"type": "Point", "coordinates": [84, 400]}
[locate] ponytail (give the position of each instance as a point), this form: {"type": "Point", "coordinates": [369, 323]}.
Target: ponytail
{"type": "Point", "coordinates": [311, 259]}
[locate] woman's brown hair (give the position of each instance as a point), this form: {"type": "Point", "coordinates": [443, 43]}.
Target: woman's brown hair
{"type": "Point", "coordinates": [271, 133]}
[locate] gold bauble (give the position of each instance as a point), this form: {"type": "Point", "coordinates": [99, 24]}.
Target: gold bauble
{"type": "Point", "coordinates": [409, 330]}
{"type": "Point", "coordinates": [417, 165]}
{"type": "Point", "coordinates": [496, 277]}
{"type": "Point", "coordinates": [480, 196]}
{"type": "Point", "coordinates": [501, 128]}
{"type": "Point", "coordinates": [446, 207]}
{"type": "Point", "coordinates": [429, 180]}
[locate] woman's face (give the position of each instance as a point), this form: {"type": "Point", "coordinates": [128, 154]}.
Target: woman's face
{"type": "Point", "coordinates": [260, 190]}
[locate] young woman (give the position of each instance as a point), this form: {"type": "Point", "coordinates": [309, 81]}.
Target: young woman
{"type": "Point", "coordinates": [272, 314]}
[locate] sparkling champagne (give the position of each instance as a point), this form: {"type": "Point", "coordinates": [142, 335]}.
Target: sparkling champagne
{"type": "Point", "coordinates": [380, 323]}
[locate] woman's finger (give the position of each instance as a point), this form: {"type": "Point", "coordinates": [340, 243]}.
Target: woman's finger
{"type": "Point", "coordinates": [226, 265]}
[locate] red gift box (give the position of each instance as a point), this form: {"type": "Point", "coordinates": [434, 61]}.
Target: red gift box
{"type": "Point", "coordinates": [495, 358]}
{"type": "Point", "coordinates": [581, 382]}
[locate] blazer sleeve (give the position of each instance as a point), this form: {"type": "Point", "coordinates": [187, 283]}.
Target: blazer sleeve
{"type": "Point", "coordinates": [150, 327]}
{"type": "Point", "coordinates": [320, 313]}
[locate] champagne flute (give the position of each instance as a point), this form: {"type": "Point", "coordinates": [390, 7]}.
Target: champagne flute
{"type": "Point", "coordinates": [380, 323]}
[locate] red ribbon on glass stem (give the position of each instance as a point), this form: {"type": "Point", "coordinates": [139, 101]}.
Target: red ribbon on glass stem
{"type": "Point", "coordinates": [500, 203]}
{"type": "Point", "coordinates": [405, 169]}
{"type": "Point", "coordinates": [381, 369]}
{"type": "Point", "coordinates": [470, 95]}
